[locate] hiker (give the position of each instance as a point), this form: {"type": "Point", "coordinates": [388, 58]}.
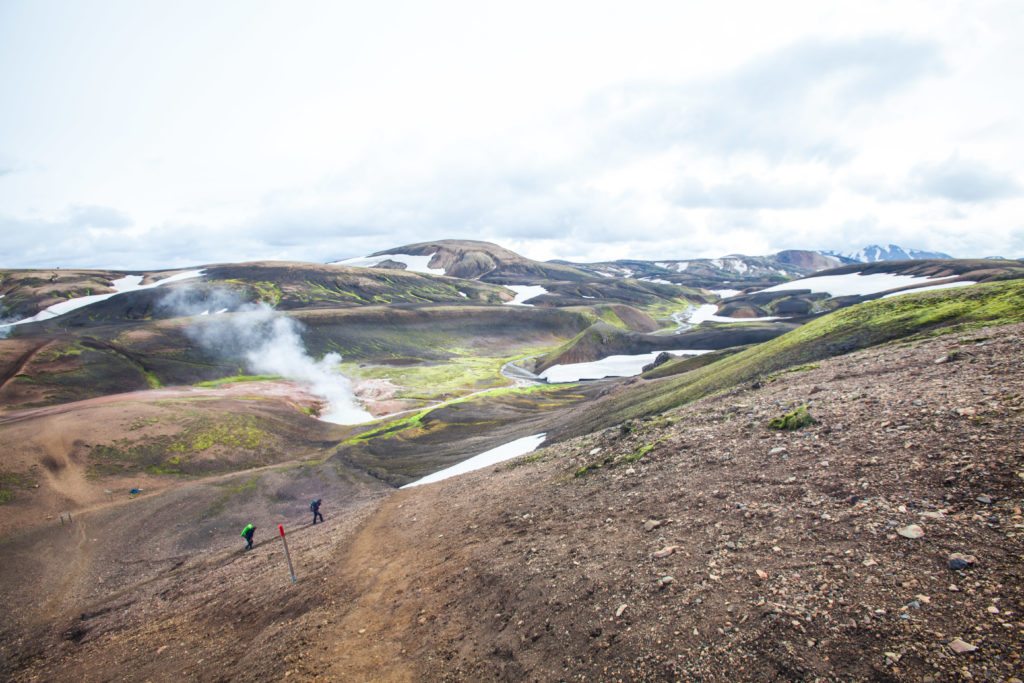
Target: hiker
{"type": "Point", "coordinates": [247, 534]}
{"type": "Point", "coordinates": [315, 508]}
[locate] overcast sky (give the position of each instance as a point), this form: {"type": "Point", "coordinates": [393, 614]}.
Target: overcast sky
{"type": "Point", "coordinates": [163, 134]}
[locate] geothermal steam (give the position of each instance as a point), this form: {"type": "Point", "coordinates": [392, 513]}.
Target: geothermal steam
{"type": "Point", "coordinates": [269, 343]}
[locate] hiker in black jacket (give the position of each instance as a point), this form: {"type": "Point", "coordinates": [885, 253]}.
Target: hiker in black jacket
{"type": "Point", "coordinates": [315, 508]}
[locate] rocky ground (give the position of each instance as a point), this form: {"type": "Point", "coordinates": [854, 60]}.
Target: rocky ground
{"type": "Point", "coordinates": [882, 542]}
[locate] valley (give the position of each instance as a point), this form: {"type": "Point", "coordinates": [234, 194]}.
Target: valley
{"type": "Point", "coordinates": [661, 530]}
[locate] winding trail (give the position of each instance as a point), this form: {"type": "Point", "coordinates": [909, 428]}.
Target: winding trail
{"type": "Point", "coordinates": [23, 360]}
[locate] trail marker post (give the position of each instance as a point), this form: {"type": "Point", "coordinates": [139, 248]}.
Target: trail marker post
{"type": "Point", "coordinates": [288, 556]}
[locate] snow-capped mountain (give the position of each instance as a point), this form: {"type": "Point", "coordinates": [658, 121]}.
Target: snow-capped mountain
{"type": "Point", "coordinates": [876, 252]}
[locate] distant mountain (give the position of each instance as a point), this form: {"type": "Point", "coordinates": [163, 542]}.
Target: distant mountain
{"type": "Point", "coordinates": [732, 271]}
{"type": "Point", "coordinates": [468, 259]}
{"type": "Point", "coordinates": [875, 253]}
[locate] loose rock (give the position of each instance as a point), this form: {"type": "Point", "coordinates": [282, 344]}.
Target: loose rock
{"type": "Point", "coordinates": [961, 646]}
{"type": "Point", "coordinates": [911, 531]}
{"type": "Point", "coordinates": [958, 561]}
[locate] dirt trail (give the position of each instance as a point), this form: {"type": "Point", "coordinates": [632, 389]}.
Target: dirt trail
{"type": "Point", "coordinates": [367, 643]}
{"type": "Point", "coordinates": [23, 360]}
{"type": "Point", "coordinates": [75, 570]}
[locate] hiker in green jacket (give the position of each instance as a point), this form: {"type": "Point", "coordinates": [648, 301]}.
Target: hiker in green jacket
{"type": "Point", "coordinates": [247, 534]}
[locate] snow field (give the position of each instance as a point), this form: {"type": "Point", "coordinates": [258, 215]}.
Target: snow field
{"type": "Point", "coordinates": [611, 366]}
{"type": "Point", "coordinates": [504, 452]}
{"type": "Point", "coordinates": [413, 263]}
{"type": "Point", "coordinates": [524, 293]}
{"type": "Point", "coordinates": [128, 283]}
{"type": "Point", "coordinates": [851, 284]}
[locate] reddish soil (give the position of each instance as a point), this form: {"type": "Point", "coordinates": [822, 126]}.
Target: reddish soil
{"type": "Point", "coordinates": [725, 551]}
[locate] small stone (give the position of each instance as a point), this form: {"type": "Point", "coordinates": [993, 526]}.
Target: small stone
{"type": "Point", "coordinates": [777, 450]}
{"type": "Point", "coordinates": [869, 562]}
{"type": "Point", "coordinates": [966, 412]}
{"type": "Point", "coordinates": [992, 609]}
{"type": "Point", "coordinates": [652, 524]}
{"type": "Point", "coordinates": [893, 657]}
{"type": "Point", "coordinates": [761, 574]}
{"type": "Point", "coordinates": [933, 515]}
{"type": "Point", "coordinates": [665, 581]}
{"type": "Point", "coordinates": [911, 531]}
{"type": "Point", "coordinates": [984, 499]}
{"type": "Point", "coordinates": [664, 552]}
{"type": "Point", "coordinates": [957, 561]}
{"type": "Point", "coordinates": [960, 646]}
{"type": "Point", "coordinates": [161, 649]}
{"type": "Point", "coordinates": [620, 610]}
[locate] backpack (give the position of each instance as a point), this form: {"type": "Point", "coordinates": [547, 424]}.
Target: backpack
{"type": "Point", "coordinates": [312, 506]}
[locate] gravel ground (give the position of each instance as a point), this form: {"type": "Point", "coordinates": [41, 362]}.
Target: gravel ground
{"type": "Point", "coordinates": [699, 545]}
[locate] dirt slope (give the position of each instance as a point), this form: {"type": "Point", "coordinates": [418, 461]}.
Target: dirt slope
{"type": "Point", "coordinates": [698, 545]}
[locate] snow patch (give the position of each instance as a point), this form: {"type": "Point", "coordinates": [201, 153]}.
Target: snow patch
{"type": "Point", "coordinates": [611, 366]}
{"type": "Point", "coordinates": [725, 293]}
{"type": "Point", "coordinates": [656, 280]}
{"type": "Point", "coordinates": [413, 263]}
{"type": "Point", "coordinates": [128, 283]}
{"type": "Point", "coordinates": [850, 284]}
{"type": "Point", "coordinates": [524, 293]}
{"type": "Point", "coordinates": [507, 451]}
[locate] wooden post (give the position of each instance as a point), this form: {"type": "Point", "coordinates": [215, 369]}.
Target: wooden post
{"type": "Point", "coordinates": [291, 569]}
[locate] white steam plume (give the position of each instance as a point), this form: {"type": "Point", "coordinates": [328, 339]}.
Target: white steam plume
{"type": "Point", "coordinates": [282, 353]}
{"type": "Point", "coordinates": [269, 343]}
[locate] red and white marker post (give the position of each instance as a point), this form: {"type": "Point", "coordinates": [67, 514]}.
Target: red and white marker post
{"type": "Point", "coordinates": [291, 570]}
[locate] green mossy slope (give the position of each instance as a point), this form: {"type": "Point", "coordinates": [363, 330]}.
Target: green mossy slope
{"type": "Point", "coordinates": [905, 317]}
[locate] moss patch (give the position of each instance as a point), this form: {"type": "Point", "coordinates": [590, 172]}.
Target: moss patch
{"type": "Point", "coordinates": [13, 482]}
{"type": "Point", "coordinates": [204, 445]}
{"type": "Point", "coordinates": [793, 420]}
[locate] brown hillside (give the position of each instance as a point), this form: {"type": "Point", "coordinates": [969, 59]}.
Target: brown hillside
{"type": "Point", "coordinates": [698, 545]}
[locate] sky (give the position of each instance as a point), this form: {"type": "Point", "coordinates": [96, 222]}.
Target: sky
{"type": "Point", "coordinates": [144, 135]}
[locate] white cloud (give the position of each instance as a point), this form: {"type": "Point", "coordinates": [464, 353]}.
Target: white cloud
{"type": "Point", "coordinates": [583, 130]}
{"type": "Point", "coordinates": [961, 180]}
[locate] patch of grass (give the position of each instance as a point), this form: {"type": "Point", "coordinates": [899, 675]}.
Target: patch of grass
{"type": "Point", "coordinates": [174, 454]}
{"type": "Point", "coordinates": [267, 292]}
{"type": "Point", "coordinates": [797, 418]}
{"type": "Point", "coordinates": [234, 379]}
{"type": "Point", "coordinates": [638, 453]}
{"type": "Point", "coordinates": [608, 314]}
{"type": "Point", "coordinates": [62, 351]}
{"type": "Point", "coordinates": [239, 432]}
{"type": "Point", "coordinates": [796, 368]}
{"type": "Point", "coordinates": [612, 459]}
{"type": "Point", "coordinates": [416, 420]}
{"type": "Point", "coordinates": [11, 482]}
{"type": "Point", "coordinates": [663, 309]}
{"type": "Point", "coordinates": [467, 370]}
